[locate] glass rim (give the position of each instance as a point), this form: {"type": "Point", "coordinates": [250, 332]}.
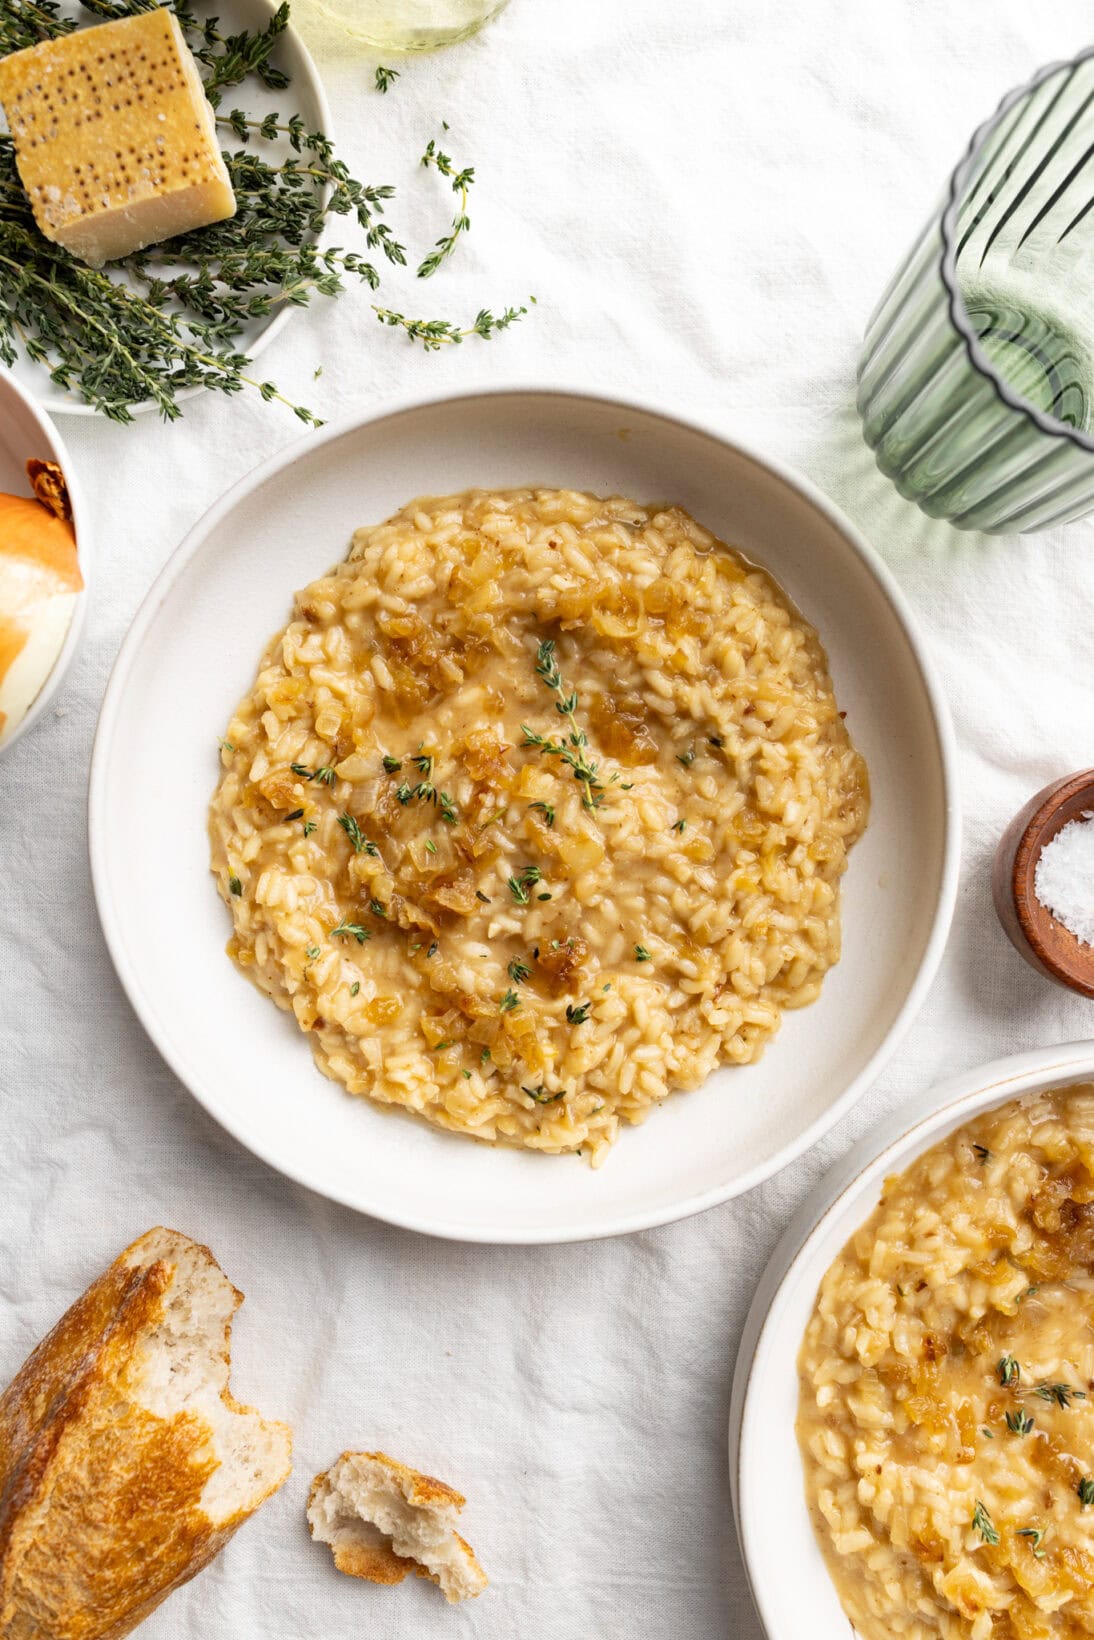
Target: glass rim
{"type": "Point", "coordinates": [978, 359]}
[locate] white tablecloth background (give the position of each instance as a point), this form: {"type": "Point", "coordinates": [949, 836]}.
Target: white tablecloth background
{"type": "Point", "coordinates": [706, 198]}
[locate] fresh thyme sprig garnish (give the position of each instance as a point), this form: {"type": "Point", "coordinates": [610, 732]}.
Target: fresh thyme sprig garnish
{"type": "Point", "coordinates": [518, 971]}
{"type": "Point", "coordinates": [385, 78]}
{"type": "Point", "coordinates": [1019, 1422]}
{"type": "Point", "coordinates": [1061, 1394]}
{"type": "Point", "coordinates": [577, 1013]}
{"type": "Point", "coordinates": [351, 930]}
{"type": "Point", "coordinates": [461, 222]}
{"type": "Point", "coordinates": [548, 810]}
{"type": "Point", "coordinates": [641, 954]}
{"type": "Point", "coordinates": [361, 844]}
{"type": "Point", "coordinates": [1085, 1491]}
{"type": "Point", "coordinates": [982, 1153]}
{"type": "Point", "coordinates": [1008, 1371]}
{"type": "Point", "coordinates": [571, 750]}
{"type": "Point", "coordinates": [519, 885]}
{"type": "Point", "coordinates": [982, 1523]}
{"type": "Point", "coordinates": [1036, 1535]}
{"type": "Point", "coordinates": [325, 775]}
{"type": "Point", "coordinates": [508, 1002]}
{"type": "Point", "coordinates": [541, 1096]}
{"type": "Point", "coordinates": [235, 886]}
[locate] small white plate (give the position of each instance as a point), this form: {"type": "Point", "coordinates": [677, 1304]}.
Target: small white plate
{"type": "Point", "coordinates": [773, 1524]}
{"type": "Point", "coordinates": [26, 434]}
{"type": "Point", "coordinates": [304, 96]}
{"type": "Point", "coordinates": [193, 651]}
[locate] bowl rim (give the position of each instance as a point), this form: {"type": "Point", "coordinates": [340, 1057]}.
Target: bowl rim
{"type": "Point", "coordinates": [947, 261]}
{"type": "Point", "coordinates": [892, 1144]}
{"type": "Point", "coordinates": [70, 404]}
{"type": "Point", "coordinates": [623, 1223]}
{"type": "Point", "coordinates": [56, 450]}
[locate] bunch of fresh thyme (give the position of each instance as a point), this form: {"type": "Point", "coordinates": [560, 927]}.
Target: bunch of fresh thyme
{"type": "Point", "coordinates": [177, 318]}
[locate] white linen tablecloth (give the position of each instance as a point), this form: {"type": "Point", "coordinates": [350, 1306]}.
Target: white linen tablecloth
{"type": "Point", "coordinates": [706, 200]}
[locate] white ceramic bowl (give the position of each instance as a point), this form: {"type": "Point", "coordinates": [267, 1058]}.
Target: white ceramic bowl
{"type": "Point", "coordinates": [192, 652]}
{"type": "Point", "coordinates": [305, 96]}
{"type": "Point", "coordinates": [773, 1524]}
{"type": "Point", "coordinates": [26, 433]}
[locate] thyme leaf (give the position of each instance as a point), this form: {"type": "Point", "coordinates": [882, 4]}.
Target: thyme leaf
{"type": "Point", "coordinates": [541, 1096]}
{"type": "Point", "coordinates": [351, 930]}
{"type": "Point", "coordinates": [1061, 1394]}
{"type": "Point", "coordinates": [325, 775]}
{"type": "Point", "coordinates": [385, 78]}
{"type": "Point", "coordinates": [519, 885]}
{"type": "Point", "coordinates": [981, 1522]}
{"type": "Point", "coordinates": [361, 844]}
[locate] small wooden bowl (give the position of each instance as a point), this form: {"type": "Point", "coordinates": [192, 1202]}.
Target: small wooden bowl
{"type": "Point", "coordinates": [1032, 929]}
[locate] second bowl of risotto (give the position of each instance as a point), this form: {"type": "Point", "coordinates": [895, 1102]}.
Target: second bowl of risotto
{"type": "Point", "coordinates": [539, 816]}
{"type": "Point", "coordinates": [912, 1409]}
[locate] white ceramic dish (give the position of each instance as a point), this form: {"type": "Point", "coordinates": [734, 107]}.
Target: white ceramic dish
{"type": "Point", "coordinates": [773, 1523]}
{"type": "Point", "coordinates": [25, 434]}
{"type": "Point", "coordinates": [305, 96]}
{"type": "Point", "coordinates": [191, 653]}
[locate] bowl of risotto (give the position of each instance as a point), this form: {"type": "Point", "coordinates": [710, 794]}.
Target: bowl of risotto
{"type": "Point", "coordinates": [913, 1406]}
{"type": "Point", "coordinates": [552, 784]}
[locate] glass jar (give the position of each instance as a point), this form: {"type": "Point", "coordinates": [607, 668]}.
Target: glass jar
{"type": "Point", "coordinates": [411, 25]}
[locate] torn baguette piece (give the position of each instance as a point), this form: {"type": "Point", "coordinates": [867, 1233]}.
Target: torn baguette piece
{"type": "Point", "coordinates": [384, 1520]}
{"type": "Point", "coordinates": [125, 1462]}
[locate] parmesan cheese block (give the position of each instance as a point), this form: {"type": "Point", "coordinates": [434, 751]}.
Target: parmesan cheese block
{"type": "Point", "coordinates": [114, 137]}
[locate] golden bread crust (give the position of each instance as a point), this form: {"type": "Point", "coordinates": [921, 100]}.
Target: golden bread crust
{"type": "Point", "coordinates": [100, 1499]}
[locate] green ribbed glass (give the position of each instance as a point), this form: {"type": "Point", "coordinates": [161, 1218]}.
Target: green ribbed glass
{"type": "Point", "coordinates": [976, 383]}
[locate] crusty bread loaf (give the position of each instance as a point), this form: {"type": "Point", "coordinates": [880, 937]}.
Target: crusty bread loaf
{"type": "Point", "coordinates": [125, 1464]}
{"type": "Point", "coordinates": [383, 1520]}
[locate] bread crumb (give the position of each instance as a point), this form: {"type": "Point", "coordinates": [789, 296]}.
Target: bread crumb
{"type": "Point", "coordinates": [384, 1520]}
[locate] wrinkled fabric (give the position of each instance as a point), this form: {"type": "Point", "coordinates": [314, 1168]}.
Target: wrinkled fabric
{"type": "Point", "coordinates": [706, 200]}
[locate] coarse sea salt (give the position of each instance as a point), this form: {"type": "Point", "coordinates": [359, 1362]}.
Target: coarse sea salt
{"type": "Point", "coordinates": [1064, 878]}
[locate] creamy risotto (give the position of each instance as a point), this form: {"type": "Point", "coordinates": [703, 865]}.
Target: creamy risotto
{"type": "Point", "coordinates": [536, 812]}
{"type": "Point", "coordinates": [945, 1423]}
